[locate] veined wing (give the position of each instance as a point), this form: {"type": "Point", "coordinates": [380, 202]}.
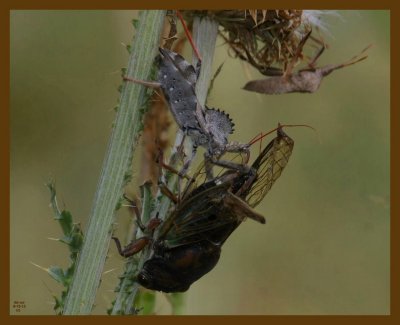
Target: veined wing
{"type": "Point", "coordinates": [269, 166]}
{"type": "Point", "coordinates": [195, 216]}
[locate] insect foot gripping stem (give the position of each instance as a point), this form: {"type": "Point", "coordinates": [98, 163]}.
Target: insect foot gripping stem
{"type": "Point", "coordinates": [132, 248]}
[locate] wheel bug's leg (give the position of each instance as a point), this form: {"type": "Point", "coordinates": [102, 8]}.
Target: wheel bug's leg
{"type": "Point", "coordinates": [173, 170]}
{"type": "Point", "coordinates": [211, 160]}
{"type": "Point", "coordinates": [240, 148]}
{"type": "Point", "coordinates": [136, 210]}
{"type": "Point", "coordinates": [166, 191]}
{"type": "Point", "coordinates": [161, 184]}
{"type": "Point", "coordinates": [150, 84]}
{"type": "Point", "coordinates": [208, 165]}
{"type": "Point", "coordinates": [183, 171]}
{"type": "Point", "coordinates": [163, 165]}
{"type": "Point", "coordinates": [181, 174]}
{"type": "Point", "coordinates": [231, 165]}
{"type": "Point", "coordinates": [133, 247]}
{"type": "Point", "coordinates": [200, 118]}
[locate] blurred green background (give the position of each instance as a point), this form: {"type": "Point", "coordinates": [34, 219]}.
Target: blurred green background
{"type": "Point", "coordinates": [325, 247]}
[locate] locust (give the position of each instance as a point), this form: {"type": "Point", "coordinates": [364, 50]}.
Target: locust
{"type": "Point", "coordinates": [189, 241]}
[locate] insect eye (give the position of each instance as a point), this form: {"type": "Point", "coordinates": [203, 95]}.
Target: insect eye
{"type": "Point", "coordinates": [142, 279]}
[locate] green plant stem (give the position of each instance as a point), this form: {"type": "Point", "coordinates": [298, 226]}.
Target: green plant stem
{"type": "Point", "coordinates": [205, 32]}
{"type": "Point", "coordinates": [128, 287]}
{"type": "Point", "coordinates": [116, 166]}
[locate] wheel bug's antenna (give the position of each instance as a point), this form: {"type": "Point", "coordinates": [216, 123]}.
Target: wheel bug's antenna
{"type": "Point", "coordinates": [188, 35]}
{"type": "Point", "coordinates": [280, 126]}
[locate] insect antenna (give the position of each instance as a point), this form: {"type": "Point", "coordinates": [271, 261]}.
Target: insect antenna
{"type": "Point", "coordinates": [261, 136]}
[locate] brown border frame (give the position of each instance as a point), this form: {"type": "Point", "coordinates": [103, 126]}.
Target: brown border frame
{"type": "Point", "coordinates": [7, 5]}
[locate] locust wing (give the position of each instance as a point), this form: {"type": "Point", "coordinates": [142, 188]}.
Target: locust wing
{"type": "Point", "coordinates": [269, 166]}
{"type": "Point", "coordinates": [211, 214]}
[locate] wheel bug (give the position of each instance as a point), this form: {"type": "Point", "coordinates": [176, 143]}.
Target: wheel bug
{"type": "Point", "coordinates": [189, 242]}
{"type": "Point", "coordinates": [207, 127]}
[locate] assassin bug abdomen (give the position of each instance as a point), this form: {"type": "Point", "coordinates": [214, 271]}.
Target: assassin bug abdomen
{"type": "Point", "coordinates": [177, 79]}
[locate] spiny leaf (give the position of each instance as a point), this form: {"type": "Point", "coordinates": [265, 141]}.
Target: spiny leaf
{"type": "Point", "coordinates": [135, 23]}
{"type": "Point", "coordinates": [57, 273]}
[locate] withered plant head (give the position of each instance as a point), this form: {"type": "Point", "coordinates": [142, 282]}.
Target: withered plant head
{"type": "Point", "coordinates": [267, 39]}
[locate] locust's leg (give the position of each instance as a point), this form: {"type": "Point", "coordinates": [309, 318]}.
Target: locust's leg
{"type": "Point", "coordinates": [168, 193]}
{"type": "Point", "coordinates": [137, 245]}
{"type": "Point", "coordinates": [132, 248]}
{"type": "Point", "coordinates": [211, 160]}
{"type": "Point", "coordinates": [135, 208]}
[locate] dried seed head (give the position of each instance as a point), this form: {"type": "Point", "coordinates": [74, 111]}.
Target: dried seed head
{"type": "Point", "coordinates": [265, 38]}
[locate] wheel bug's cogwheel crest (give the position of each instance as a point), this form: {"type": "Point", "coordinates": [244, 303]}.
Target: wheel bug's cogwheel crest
{"type": "Point", "coordinates": [219, 123]}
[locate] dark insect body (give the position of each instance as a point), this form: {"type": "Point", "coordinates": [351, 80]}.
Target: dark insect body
{"type": "Point", "coordinates": [189, 241]}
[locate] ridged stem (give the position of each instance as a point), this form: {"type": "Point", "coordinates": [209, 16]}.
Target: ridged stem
{"type": "Point", "coordinates": [116, 166]}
